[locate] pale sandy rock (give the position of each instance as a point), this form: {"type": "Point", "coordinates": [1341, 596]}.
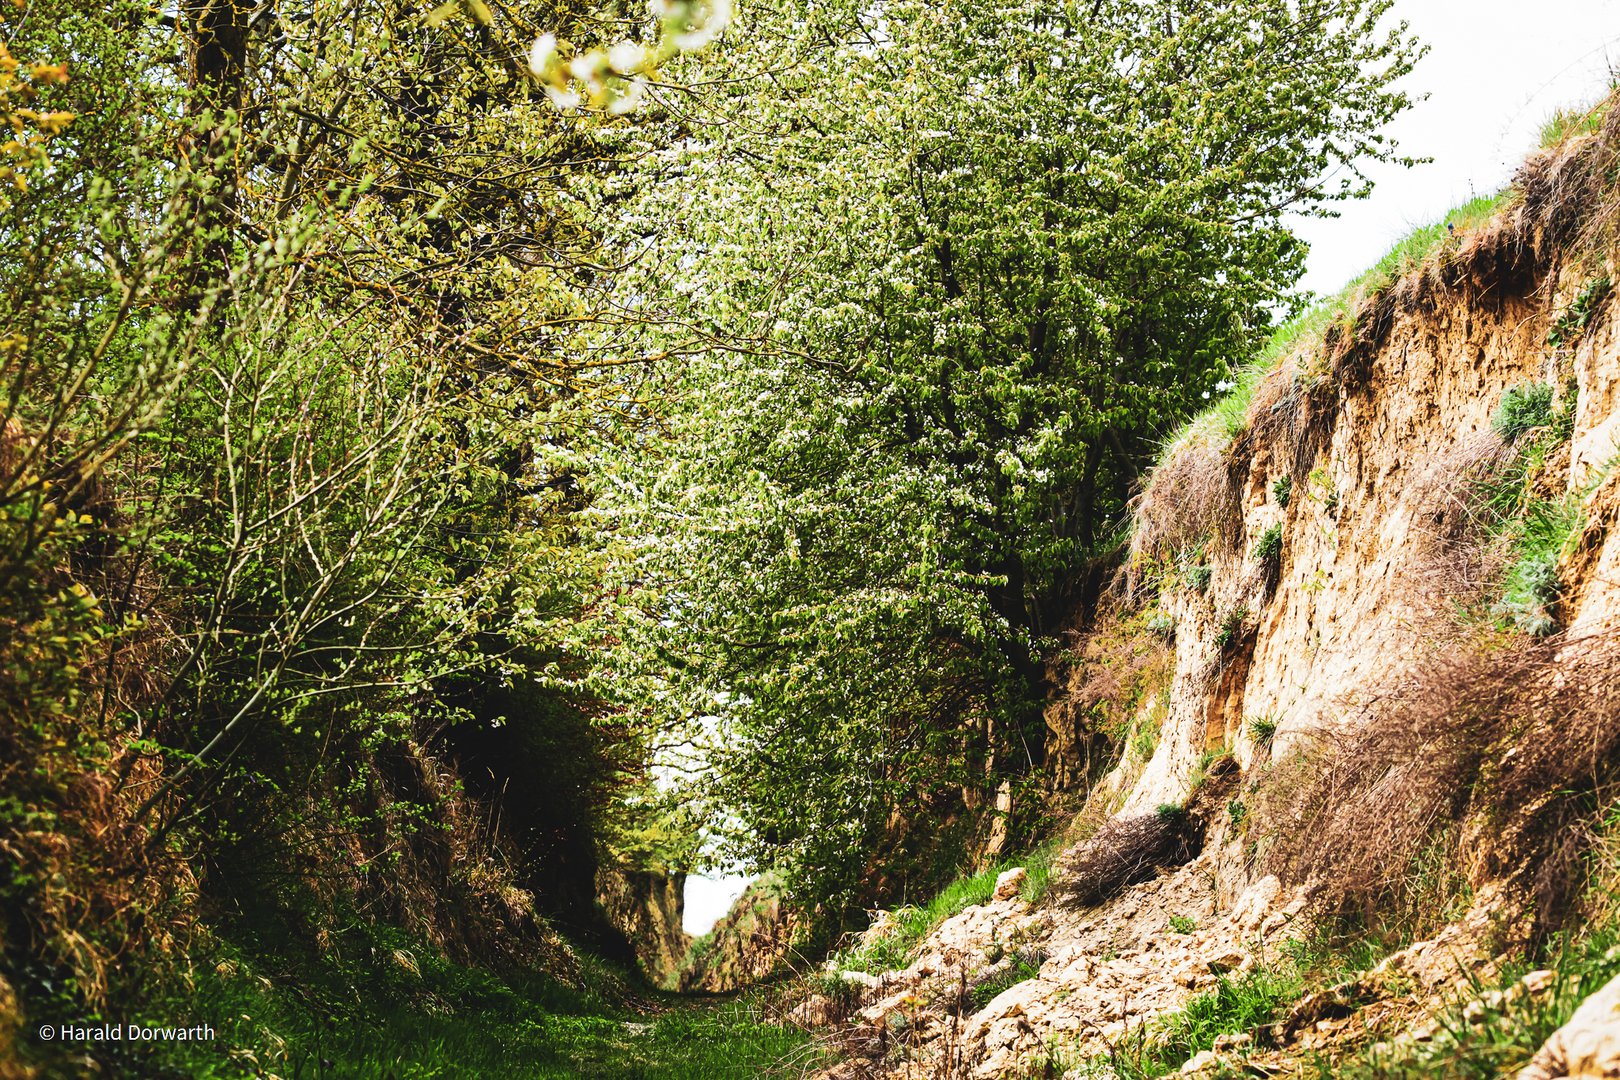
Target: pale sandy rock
{"type": "Point", "coordinates": [1009, 884]}
{"type": "Point", "coordinates": [1200, 1061]}
{"type": "Point", "coordinates": [1255, 902]}
{"type": "Point", "coordinates": [1586, 1047]}
{"type": "Point", "coordinates": [1537, 982]}
{"type": "Point", "coordinates": [858, 978]}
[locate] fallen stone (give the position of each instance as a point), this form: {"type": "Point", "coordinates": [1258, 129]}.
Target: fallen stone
{"type": "Point", "coordinates": [1010, 884]}
{"type": "Point", "coordinates": [1537, 981]}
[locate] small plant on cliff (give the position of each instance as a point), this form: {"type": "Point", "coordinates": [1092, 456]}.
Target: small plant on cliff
{"type": "Point", "coordinates": [1263, 729]}
{"type": "Point", "coordinates": [1181, 924]}
{"type": "Point", "coordinates": [1268, 549]}
{"type": "Point", "coordinates": [1320, 487]}
{"type": "Point", "coordinates": [1573, 321]}
{"type": "Point", "coordinates": [1524, 407]}
{"type": "Point", "coordinates": [1282, 489]}
{"type": "Point", "coordinates": [1530, 590]}
{"type": "Point", "coordinates": [1236, 811]}
{"type": "Point", "coordinates": [1231, 627]}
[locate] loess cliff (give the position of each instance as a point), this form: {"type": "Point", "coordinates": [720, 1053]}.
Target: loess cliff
{"type": "Point", "coordinates": [1363, 671]}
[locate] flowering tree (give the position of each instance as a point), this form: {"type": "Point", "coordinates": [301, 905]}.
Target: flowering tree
{"type": "Point", "coordinates": [940, 273]}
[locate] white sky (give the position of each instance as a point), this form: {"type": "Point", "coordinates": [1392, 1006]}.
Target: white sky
{"type": "Point", "coordinates": [1496, 70]}
{"type": "Point", "coordinates": [707, 899]}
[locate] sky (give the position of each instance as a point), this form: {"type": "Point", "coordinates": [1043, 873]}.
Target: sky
{"type": "Point", "coordinates": [1495, 72]}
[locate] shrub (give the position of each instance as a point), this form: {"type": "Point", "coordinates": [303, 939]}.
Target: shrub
{"type": "Point", "coordinates": [1524, 407]}
{"type": "Point", "coordinates": [1263, 729]}
{"type": "Point", "coordinates": [1282, 489]}
{"type": "Point", "coordinates": [1181, 924]}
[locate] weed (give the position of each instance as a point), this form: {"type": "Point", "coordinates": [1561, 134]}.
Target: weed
{"type": "Point", "coordinates": [1022, 966]}
{"type": "Point", "coordinates": [1263, 729]}
{"type": "Point", "coordinates": [1268, 549]}
{"type": "Point", "coordinates": [1319, 487]}
{"type": "Point", "coordinates": [1231, 628]}
{"type": "Point", "coordinates": [1144, 741]}
{"type": "Point", "coordinates": [1282, 489]}
{"type": "Point", "coordinates": [1181, 924]}
{"type": "Point", "coordinates": [1524, 407]}
{"type": "Point", "coordinates": [1237, 811]}
{"type": "Point", "coordinates": [1572, 322]}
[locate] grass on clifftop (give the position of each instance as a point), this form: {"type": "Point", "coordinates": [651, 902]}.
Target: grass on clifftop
{"type": "Point", "coordinates": [1227, 416]}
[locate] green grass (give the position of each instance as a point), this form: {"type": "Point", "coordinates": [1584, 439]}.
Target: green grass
{"type": "Point", "coordinates": [913, 923]}
{"type": "Point", "coordinates": [1524, 408]}
{"type": "Point", "coordinates": [1262, 729]}
{"type": "Point", "coordinates": [1233, 1005]}
{"type": "Point", "coordinates": [1023, 968]}
{"type": "Point", "coordinates": [1231, 628]}
{"type": "Point", "coordinates": [1579, 120]}
{"type": "Point", "coordinates": [1541, 530]}
{"type": "Point", "coordinates": [379, 1005]}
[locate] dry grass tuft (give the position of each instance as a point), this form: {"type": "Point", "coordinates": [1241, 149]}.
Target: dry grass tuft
{"type": "Point", "coordinates": [1455, 556]}
{"type": "Point", "coordinates": [1479, 767]}
{"type": "Point", "coordinates": [1130, 850]}
{"type": "Point", "coordinates": [1186, 502]}
{"type": "Point", "coordinates": [1124, 852]}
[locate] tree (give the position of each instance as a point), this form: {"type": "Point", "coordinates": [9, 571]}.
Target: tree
{"type": "Point", "coordinates": [945, 271]}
